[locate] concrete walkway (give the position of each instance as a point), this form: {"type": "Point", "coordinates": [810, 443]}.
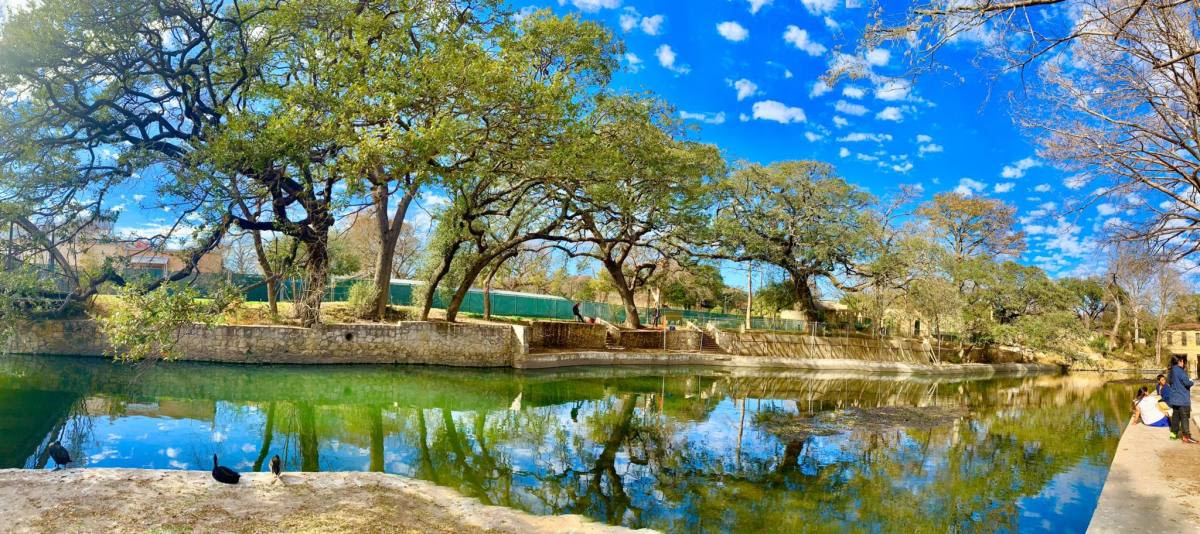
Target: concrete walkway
{"type": "Point", "coordinates": [1153, 484]}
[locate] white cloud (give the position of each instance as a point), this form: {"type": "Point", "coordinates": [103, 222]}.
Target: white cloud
{"type": "Point", "coordinates": [928, 149]}
{"type": "Point", "coordinates": [1004, 187]}
{"type": "Point", "coordinates": [1077, 181]}
{"type": "Point", "coordinates": [799, 39]}
{"type": "Point", "coordinates": [840, 121]}
{"type": "Point", "coordinates": [634, 63]}
{"type": "Point", "coordinates": [707, 118]}
{"type": "Point", "coordinates": [631, 19]}
{"type": "Point", "coordinates": [1107, 209]}
{"type": "Point", "coordinates": [1018, 168]}
{"type": "Point", "coordinates": [892, 90]}
{"type": "Point", "coordinates": [850, 109]}
{"type": "Point", "coordinates": [652, 25]}
{"type": "Point", "coordinates": [832, 24]}
{"type": "Point", "coordinates": [813, 136]}
{"type": "Point", "coordinates": [853, 91]}
{"type": "Point", "coordinates": [903, 167]}
{"type": "Point", "coordinates": [592, 6]}
{"type": "Point", "coordinates": [922, 138]}
{"type": "Point", "coordinates": [666, 58]}
{"type": "Point", "coordinates": [866, 157]}
{"type": "Point", "coordinates": [879, 56]}
{"type": "Point", "coordinates": [777, 111]}
{"type": "Point", "coordinates": [843, 152]}
{"type": "Point", "coordinates": [819, 88]}
{"type": "Point", "coordinates": [865, 136]}
{"type": "Point", "coordinates": [890, 113]}
{"type": "Point", "coordinates": [139, 198]}
{"type": "Point", "coordinates": [756, 5]}
{"type": "Point", "coordinates": [1043, 188]}
{"type": "Point", "coordinates": [743, 117]}
{"type": "Point", "coordinates": [968, 187]}
{"type": "Point", "coordinates": [733, 31]}
{"type": "Point", "coordinates": [745, 89]}
{"type": "Point", "coordinates": [819, 7]}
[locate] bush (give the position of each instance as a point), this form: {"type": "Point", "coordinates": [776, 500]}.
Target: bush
{"type": "Point", "coordinates": [361, 299]}
{"type": "Point", "coordinates": [147, 324]}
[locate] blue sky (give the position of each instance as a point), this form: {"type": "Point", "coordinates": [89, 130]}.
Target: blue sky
{"type": "Point", "coordinates": [747, 72]}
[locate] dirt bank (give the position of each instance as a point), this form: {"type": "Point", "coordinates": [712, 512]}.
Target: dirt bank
{"type": "Point", "coordinates": [141, 500]}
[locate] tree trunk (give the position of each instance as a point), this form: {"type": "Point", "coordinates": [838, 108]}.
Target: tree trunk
{"type": "Point", "coordinates": [1112, 336]}
{"type": "Point", "coordinates": [316, 266]}
{"type": "Point", "coordinates": [626, 293]}
{"type": "Point", "coordinates": [389, 237]}
{"type": "Point", "coordinates": [432, 283]}
{"type": "Point", "coordinates": [270, 277]}
{"type": "Point", "coordinates": [464, 287]}
{"type": "Point", "coordinates": [804, 296]}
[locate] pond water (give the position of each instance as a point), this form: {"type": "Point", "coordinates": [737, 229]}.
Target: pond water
{"type": "Point", "coordinates": [676, 449]}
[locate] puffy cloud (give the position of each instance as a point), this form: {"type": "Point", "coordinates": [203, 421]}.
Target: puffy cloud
{"type": "Point", "coordinates": [928, 149]}
{"type": "Point", "coordinates": [843, 152]}
{"type": "Point", "coordinates": [666, 58]}
{"type": "Point", "coordinates": [592, 6]}
{"type": "Point", "coordinates": [631, 19]}
{"type": "Point", "coordinates": [840, 121]}
{"type": "Point", "coordinates": [850, 109]}
{"type": "Point", "coordinates": [922, 138]}
{"type": "Point", "coordinates": [853, 91]}
{"type": "Point", "coordinates": [968, 187]}
{"type": "Point", "coordinates": [707, 118]}
{"type": "Point", "coordinates": [633, 62]}
{"type": "Point", "coordinates": [832, 24]}
{"type": "Point", "coordinates": [745, 88]}
{"type": "Point", "coordinates": [733, 31]}
{"type": "Point", "coordinates": [903, 167]}
{"type": "Point", "coordinates": [819, 88]}
{"type": "Point", "coordinates": [1004, 187]}
{"type": "Point", "coordinates": [819, 7]}
{"type": "Point", "coordinates": [892, 90]}
{"type": "Point", "coordinates": [1107, 209]}
{"type": "Point", "coordinates": [890, 113]}
{"type": "Point", "coordinates": [1018, 168]}
{"type": "Point", "coordinates": [879, 56]}
{"type": "Point", "coordinates": [865, 136]}
{"type": "Point", "coordinates": [813, 136]}
{"type": "Point", "coordinates": [799, 38]}
{"type": "Point", "coordinates": [1043, 188]}
{"type": "Point", "coordinates": [1077, 181]}
{"type": "Point", "coordinates": [756, 5]}
{"type": "Point", "coordinates": [772, 110]}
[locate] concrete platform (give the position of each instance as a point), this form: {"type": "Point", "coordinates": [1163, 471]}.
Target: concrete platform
{"type": "Point", "coordinates": [1153, 484]}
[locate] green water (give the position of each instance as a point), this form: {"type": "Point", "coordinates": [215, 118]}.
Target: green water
{"type": "Point", "coordinates": [678, 449]}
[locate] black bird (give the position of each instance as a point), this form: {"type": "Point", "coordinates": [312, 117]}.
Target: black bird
{"type": "Point", "coordinates": [60, 455]}
{"type": "Point", "coordinates": [276, 466]}
{"type": "Point", "coordinates": [224, 474]}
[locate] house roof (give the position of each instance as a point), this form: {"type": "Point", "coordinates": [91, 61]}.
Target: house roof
{"type": "Point", "coordinates": [1184, 326]}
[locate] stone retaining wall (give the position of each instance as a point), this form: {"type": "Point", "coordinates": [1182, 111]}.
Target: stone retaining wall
{"type": "Point", "coordinates": [551, 334]}
{"type": "Point", "coordinates": [896, 350]}
{"type": "Point", "coordinates": [655, 339]}
{"type": "Point", "coordinates": [456, 344]}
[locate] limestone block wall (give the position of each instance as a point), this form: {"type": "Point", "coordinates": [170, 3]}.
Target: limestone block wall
{"type": "Point", "coordinates": [553, 334]}
{"type": "Point", "coordinates": [897, 350]}
{"type": "Point", "coordinates": [436, 343]}
{"type": "Point", "coordinates": [654, 339]}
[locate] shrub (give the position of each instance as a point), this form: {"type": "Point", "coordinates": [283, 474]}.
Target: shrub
{"type": "Point", "coordinates": [361, 299]}
{"type": "Point", "coordinates": [147, 324]}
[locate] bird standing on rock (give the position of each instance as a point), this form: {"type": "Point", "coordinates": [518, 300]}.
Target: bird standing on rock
{"type": "Point", "coordinates": [60, 455]}
{"type": "Point", "coordinates": [224, 474]}
{"type": "Point", "coordinates": [276, 468]}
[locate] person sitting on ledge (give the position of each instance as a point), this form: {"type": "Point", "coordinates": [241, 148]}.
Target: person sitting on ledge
{"type": "Point", "coordinates": [1145, 410]}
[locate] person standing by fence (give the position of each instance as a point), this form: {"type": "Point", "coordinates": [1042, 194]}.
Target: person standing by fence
{"type": "Point", "coordinates": [578, 316]}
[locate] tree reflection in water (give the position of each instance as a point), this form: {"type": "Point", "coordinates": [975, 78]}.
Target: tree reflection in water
{"type": "Point", "coordinates": [668, 449]}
